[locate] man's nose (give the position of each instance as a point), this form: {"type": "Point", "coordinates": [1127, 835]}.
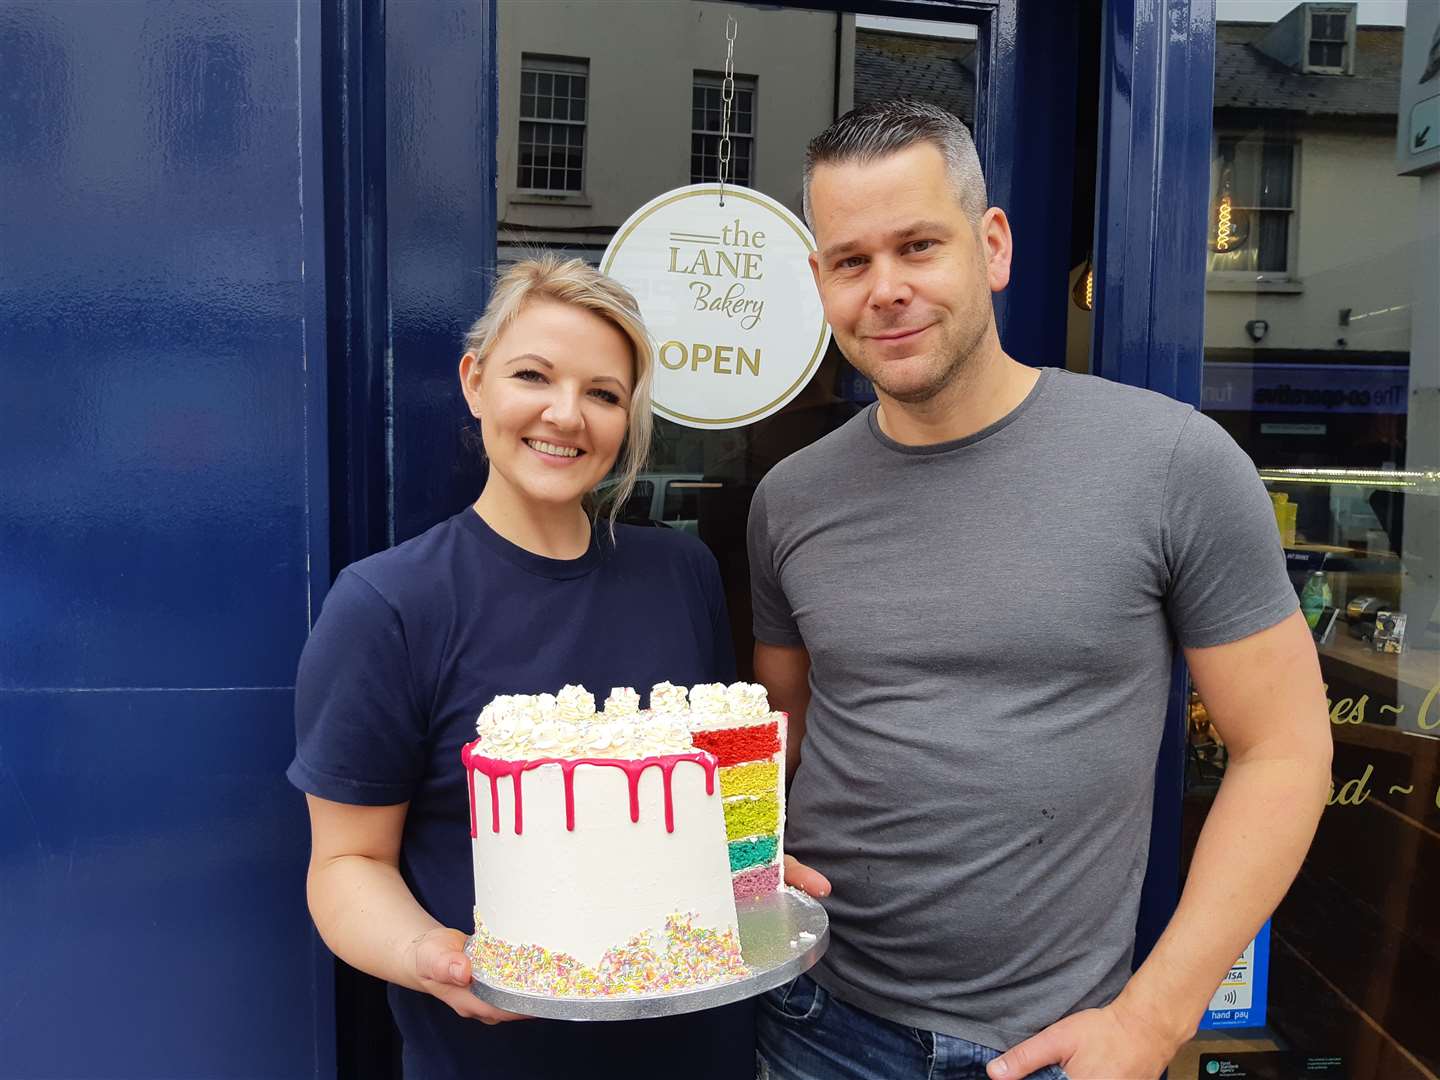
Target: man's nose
{"type": "Point", "coordinates": [889, 287]}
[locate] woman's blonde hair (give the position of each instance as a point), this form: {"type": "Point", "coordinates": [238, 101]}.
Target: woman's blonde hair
{"type": "Point", "coordinates": [573, 281]}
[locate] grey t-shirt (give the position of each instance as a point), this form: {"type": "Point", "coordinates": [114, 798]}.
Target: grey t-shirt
{"type": "Point", "coordinates": [991, 624]}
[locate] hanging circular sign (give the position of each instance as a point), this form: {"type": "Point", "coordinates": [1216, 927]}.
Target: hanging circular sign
{"type": "Point", "coordinates": [727, 294]}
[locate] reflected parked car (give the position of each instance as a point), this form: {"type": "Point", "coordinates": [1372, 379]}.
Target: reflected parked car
{"type": "Point", "coordinates": [671, 500]}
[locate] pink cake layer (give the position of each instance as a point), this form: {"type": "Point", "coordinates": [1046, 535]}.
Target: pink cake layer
{"type": "Point", "coordinates": [756, 882]}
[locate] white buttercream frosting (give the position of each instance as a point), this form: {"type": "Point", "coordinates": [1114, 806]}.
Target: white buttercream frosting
{"type": "Point", "coordinates": [523, 727]}
{"type": "Point", "coordinates": [575, 703]}
{"type": "Point", "coordinates": [668, 698]}
{"type": "Point", "coordinates": [623, 701]}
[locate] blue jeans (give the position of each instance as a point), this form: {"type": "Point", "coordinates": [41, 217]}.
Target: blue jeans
{"type": "Point", "coordinates": [805, 1033]}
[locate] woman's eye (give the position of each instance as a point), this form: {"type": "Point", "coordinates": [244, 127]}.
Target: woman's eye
{"type": "Point", "coordinates": [607, 395]}
{"type": "Point", "coordinates": [528, 375]}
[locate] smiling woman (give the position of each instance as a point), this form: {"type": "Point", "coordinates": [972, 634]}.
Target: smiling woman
{"type": "Point", "coordinates": [556, 371]}
{"type": "Point", "coordinates": [519, 593]}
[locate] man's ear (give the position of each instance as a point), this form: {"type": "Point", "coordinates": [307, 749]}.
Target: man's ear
{"type": "Point", "coordinates": [997, 244]}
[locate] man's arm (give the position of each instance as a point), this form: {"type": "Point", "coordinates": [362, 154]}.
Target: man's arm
{"type": "Point", "coordinates": [1265, 696]}
{"type": "Point", "coordinates": [784, 671]}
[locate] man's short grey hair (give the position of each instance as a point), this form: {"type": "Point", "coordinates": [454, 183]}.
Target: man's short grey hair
{"type": "Point", "coordinates": [885, 127]}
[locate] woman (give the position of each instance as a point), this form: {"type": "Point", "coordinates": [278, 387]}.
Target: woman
{"type": "Point", "coordinates": [522, 592]}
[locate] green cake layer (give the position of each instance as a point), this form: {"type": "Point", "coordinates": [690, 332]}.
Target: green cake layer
{"type": "Point", "coordinates": [756, 851]}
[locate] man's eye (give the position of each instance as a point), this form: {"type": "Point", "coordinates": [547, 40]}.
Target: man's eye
{"type": "Point", "coordinates": [922, 245]}
{"type": "Point", "coordinates": [851, 263]}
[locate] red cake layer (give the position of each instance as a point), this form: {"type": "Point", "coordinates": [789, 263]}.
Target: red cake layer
{"type": "Point", "coordinates": [731, 746]}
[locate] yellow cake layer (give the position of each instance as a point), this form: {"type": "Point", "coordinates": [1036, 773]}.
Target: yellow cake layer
{"type": "Point", "coordinates": [756, 778]}
{"type": "Point", "coordinates": [751, 817]}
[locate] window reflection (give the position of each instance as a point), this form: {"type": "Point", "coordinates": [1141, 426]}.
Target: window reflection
{"type": "Point", "coordinates": [1316, 365]}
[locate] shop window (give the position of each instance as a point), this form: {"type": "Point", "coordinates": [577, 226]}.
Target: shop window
{"type": "Point", "coordinates": [1329, 389]}
{"type": "Point", "coordinates": [1329, 41]}
{"type": "Point", "coordinates": [1252, 212]}
{"type": "Point", "coordinates": [706, 117]}
{"type": "Point", "coordinates": [552, 125]}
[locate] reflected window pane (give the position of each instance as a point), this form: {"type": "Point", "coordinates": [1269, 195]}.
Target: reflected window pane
{"type": "Point", "coordinates": [708, 124]}
{"type": "Point", "coordinates": [552, 90]}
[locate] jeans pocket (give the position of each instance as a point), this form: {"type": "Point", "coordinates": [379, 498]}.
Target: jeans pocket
{"type": "Point", "coordinates": [802, 999]}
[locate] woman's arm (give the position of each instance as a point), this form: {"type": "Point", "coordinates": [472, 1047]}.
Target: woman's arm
{"type": "Point", "coordinates": [367, 915]}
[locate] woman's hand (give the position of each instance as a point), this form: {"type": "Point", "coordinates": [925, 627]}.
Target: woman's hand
{"type": "Point", "coordinates": [443, 971]}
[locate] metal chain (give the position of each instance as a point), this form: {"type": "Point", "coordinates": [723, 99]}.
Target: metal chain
{"type": "Point", "coordinates": [727, 95]}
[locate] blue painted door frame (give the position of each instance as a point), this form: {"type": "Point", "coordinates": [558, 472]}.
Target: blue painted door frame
{"type": "Point", "coordinates": [1152, 185]}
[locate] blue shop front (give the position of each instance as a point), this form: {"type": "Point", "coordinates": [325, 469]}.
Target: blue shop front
{"type": "Point", "coordinates": [242, 242]}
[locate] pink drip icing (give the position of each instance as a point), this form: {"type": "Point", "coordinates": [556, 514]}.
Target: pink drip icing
{"type": "Point", "coordinates": [667, 772]}
{"type": "Point", "coordinates": [474, 830]}
{"type": "Point", "coordinates": [519, 809]}
{"type": "Point", "coordinates": [494, 769]}
{"type": "Point", "coordinates": [568, 768]}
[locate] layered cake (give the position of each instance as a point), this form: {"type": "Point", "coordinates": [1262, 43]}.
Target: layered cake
{"type": "Point", "coordinates": [748, 740]}
{"type": "Point", "coordinates": [609, 845]}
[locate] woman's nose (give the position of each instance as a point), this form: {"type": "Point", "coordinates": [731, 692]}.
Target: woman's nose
{"type": "Point", "coordinates": [564, 410]}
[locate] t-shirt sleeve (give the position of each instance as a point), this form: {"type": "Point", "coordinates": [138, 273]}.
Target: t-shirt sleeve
{"type": "Point", "coordinates": [1227, 576]}
{"type": "Point", "coordinates": [772, 617]}
{"type": "Point", "coordinates": [359, 733]}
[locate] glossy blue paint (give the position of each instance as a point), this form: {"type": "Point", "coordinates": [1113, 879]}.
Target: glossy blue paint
{"type": "Point", "coordinates": [360, 475]}
{"type": "Point", "coordinates": [163, 456]}
{"type": "Point", "coordinates": [1157, 86]}
{"type": "Point", "coordinates": [1029, 160]}
{"type": "Point", "coordinates": [1157, 89]}
{"type": "Point", "coordinates": [440, 102]}
{"type": "Point", "coordinates": [153, 889]}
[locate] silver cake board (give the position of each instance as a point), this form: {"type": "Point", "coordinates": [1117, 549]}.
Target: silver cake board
{"type": "Point", "coordinates": [781, 934]}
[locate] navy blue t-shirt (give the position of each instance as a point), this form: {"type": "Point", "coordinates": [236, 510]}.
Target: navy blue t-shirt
{"type": "Point", "coordinates": [410, 645]}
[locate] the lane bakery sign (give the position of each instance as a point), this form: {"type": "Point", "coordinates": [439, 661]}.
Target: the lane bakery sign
{"type": "Point", "coordinates": [727, 294]}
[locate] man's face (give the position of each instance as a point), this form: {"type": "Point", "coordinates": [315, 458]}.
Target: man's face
{"type": "Point", "coordinates": [904, 277]}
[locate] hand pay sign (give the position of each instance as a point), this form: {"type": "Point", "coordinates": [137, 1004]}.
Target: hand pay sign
{"type": "Point", "coordinates": [727, 293]}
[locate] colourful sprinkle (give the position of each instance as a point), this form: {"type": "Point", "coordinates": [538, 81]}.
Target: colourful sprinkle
{"type": "Point", "coordinates": [687, 957]}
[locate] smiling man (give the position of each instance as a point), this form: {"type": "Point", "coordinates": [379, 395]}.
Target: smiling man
{"type": "Point", "coordinates": [969, 600]}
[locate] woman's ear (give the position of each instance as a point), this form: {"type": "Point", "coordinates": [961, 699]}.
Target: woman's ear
{"type": "Point", "coordinates": [470, 382]}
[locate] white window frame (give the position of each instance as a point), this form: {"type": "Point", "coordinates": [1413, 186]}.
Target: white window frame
{"type": "Point", "coordinates": [537, 64]}
{"type": "Point", "coordinates": [1289, 278]}
{"type": "Point", "coordinates": [713, 81]}
{"type": "Point", "coordinates": [1347, 55]}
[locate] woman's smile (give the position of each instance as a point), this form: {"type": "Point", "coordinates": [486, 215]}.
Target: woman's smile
{"type": "Point", "coordinates": [553, 450]}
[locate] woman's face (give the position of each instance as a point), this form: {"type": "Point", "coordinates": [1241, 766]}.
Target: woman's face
{"type": "Point", "coordinates": [552, 400]}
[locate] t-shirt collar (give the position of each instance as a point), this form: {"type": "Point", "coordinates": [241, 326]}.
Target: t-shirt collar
{"type": "Point", "coordinates": [539, 565]}
{"type": "Point", "coordinates": [872, 419]}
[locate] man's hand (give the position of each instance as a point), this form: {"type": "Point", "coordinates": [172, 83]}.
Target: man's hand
{"type": "Point", "coordinates": [1097, 1044]}
{"type": "Point", "coordinates": [444, 972]}
{"type": "Point", "coordinates": [800, 876]}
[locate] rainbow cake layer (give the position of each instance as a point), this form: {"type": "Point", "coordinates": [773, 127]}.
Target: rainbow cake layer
{"type": "Point", "coordinates": [748, 741]}
{"type": "Point", "coordinates": [610, 846]}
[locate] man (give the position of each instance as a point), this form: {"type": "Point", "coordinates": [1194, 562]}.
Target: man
{"type": "Point", "coordinates": [968, 599]}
